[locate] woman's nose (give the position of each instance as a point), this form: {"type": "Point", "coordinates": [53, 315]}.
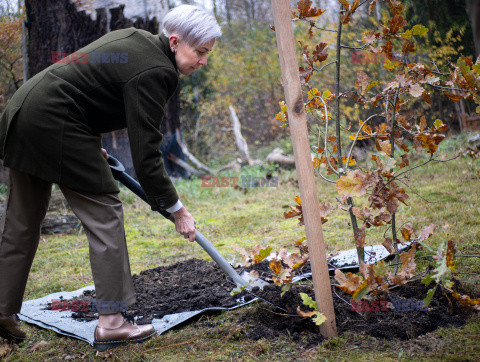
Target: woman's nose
{"type": "Point", "coordinates": [203, 61]}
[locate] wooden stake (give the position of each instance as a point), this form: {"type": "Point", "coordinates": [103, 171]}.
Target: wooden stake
{"type": "Point", "coordinates": [301, 148]}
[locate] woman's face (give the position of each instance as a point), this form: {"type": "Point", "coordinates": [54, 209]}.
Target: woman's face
{"type": "Point", "coordinates": [189, 58]}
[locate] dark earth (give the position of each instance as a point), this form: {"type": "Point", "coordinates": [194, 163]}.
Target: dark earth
{"type": "Point", "coordinates": [197, 284]}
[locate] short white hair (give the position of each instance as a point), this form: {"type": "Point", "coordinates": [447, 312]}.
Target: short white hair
{"type": "Point", "coordinates": [192, 24]}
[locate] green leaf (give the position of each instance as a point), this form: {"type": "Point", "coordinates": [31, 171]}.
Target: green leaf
{"type": "Point", "coordinates": [285, 288]}
{"type": "Point", "coordinates": [265, 252]}
{"type": "Point", "coordinates": [429, 296]}
{"type": "Point", "coordinates": [390, 65]}
{"type": "Point", "coordinates": [441, 270]}
{"type": "Point", "coordinates": [438, 123]}
{"type": "Point", "coordinates": [419, 30]}
{"type": "Point", "coordinates": [428, 279]}
{"type": "Point", "coordinates": [380, 268]}
{"type": "Point", "coordinates": [326, 94]}
{"type": "Point", "coordinates": [238, 289]}
{"type": "Point", "coordinates": [308, 301]}
{"type": "Point", "coordinates": [262, 254]}
{"type": "Point", "coordinates": [362, 291]}
{"type": "Point", "coordinates": [408, 34]}
{"type": "Point", "coordinates": [476, 67]}
{"type": "Point", "coordinates": [371, 85]}
{"type": "Point", "coordinates": [312, 93]}
{"type": "Point", "coordinates": [448, 284]}
{"type": "Point", "coordinates": [319, 319]}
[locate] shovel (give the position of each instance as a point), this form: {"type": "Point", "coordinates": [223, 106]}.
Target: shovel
{"type": "Point", "coordinates": [118, 171]}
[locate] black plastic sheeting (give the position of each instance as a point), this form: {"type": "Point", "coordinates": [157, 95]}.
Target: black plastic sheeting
{"type": "Point", "coordinates": [34, 312]}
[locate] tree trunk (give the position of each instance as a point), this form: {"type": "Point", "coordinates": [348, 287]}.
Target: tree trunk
{"type": "Point", "coordinates": [56, 25]}
{"type": "Point", "coordinates": [215, 9]}
{"type": "Point", "coordinates": [228, 11]}
{"type": "Point", "coordinates": [473, 8]}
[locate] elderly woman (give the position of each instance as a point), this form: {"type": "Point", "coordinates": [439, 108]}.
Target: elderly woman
{"type": "Point", "coordinates": [50, 133]}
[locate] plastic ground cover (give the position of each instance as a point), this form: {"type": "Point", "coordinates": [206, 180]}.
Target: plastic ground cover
{"type": "Point", "coordinates": [34, 312]}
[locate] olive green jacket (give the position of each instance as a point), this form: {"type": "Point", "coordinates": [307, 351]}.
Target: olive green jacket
{"type": "Point", "coordinates": [52, 126]}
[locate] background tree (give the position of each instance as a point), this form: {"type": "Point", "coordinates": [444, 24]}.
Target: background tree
{"type": "Point", "coordinates": [11, 67]}
{"type": "Point", "coordinates": [11, 57]}
{"type": "Point", "coordinates": [473, 8]}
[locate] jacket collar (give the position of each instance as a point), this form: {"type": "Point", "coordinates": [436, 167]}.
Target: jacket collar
{"type": "Point", "coordinates": [166, 48]}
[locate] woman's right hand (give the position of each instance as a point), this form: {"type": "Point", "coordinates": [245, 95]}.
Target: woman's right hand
{"type": "Point", "coordinates": [185, 224]}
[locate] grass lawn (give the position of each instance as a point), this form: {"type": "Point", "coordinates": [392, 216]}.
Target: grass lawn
{"type": "Point", "coordinates": [447, 194]}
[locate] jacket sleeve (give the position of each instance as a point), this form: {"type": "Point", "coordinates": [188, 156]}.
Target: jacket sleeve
{"type": "Point", "coordinates": [145, 96]}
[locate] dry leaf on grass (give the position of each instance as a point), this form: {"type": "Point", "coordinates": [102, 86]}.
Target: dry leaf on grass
{"type": "Point", "coordinates": [38, 345]}
{"type": "Point", "coordinates": [5, 349]}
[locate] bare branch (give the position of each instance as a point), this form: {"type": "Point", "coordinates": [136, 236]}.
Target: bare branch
{"type": "Point", "coordinates": [326, 135]}
{"type": "Point", "coordinates": [366, 1]}
{"type": "Point", "coordinates": [356, 137]}
{"type": "Point", "coordinates": [450, 159]}
{"type": "Point", "coordinates": [417, 193]}
{"type": "Point", "coordinates": [451, 89]}
{"type": "Point", "coordinates": [354, 48]}
{"type": "Point", "coordinates": [326, 179]}
{"type": "Point", "coordinates": [319, 70]}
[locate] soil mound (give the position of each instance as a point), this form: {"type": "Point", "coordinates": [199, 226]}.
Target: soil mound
{"type": "Point", "coordinates": [197, 284]}
{"type": "Point", "coordinates": [400, 315]}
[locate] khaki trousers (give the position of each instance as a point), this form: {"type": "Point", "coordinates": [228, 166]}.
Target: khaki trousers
{"type": "Point", "coordinates": [102, 220]}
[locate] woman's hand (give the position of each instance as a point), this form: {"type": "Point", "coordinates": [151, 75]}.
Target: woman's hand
{"type": "Point", "coordinates": [185, 224]}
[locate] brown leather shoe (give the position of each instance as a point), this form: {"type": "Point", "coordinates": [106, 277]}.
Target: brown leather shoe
{"type": "Point", "coordinates": [10, 329]}
{"type": "Point", "coordinates": [106, 338]}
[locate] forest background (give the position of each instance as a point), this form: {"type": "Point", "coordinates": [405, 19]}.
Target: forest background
{"type": "Point", "coordinates": [244, 71]}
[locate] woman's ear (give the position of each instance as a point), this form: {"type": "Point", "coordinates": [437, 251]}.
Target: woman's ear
{"type": "Point", "coordinates": [173, 41]}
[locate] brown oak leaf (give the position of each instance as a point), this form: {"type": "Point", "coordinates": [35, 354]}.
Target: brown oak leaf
{"type": "Point", "coordinates": [404, 162]}
{"type": "Point", "coordinates": [363, 80]}
{"type": "Point", "coordinates": [320, 53]}
{"type": "Point", "coordinates": [426, 232]}
{"type": "Point", "coordinates": [306, 10]}
{"type": "Point", "coordinates": [347, 282]}
{"type": "Point", "coordinates": [408, 232]}
{"type": "Point", "coordinates": [354, 183]}
{"type": "Point", "coordinates": [416, 90]}
{"type": "Point", "coordinates": [388, 244]}
{"type": "Point", "coordinates": [383, 146]}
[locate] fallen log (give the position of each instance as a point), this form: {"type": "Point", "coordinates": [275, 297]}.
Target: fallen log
{"type": "Point", "coordinates": [191, 157]}
{"type": "Point", "coordinates": [183, 165]}
{"type": "Point", "coordinates": [241, 142]}
{"type": "Point", "coordinates": [277, 156]}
